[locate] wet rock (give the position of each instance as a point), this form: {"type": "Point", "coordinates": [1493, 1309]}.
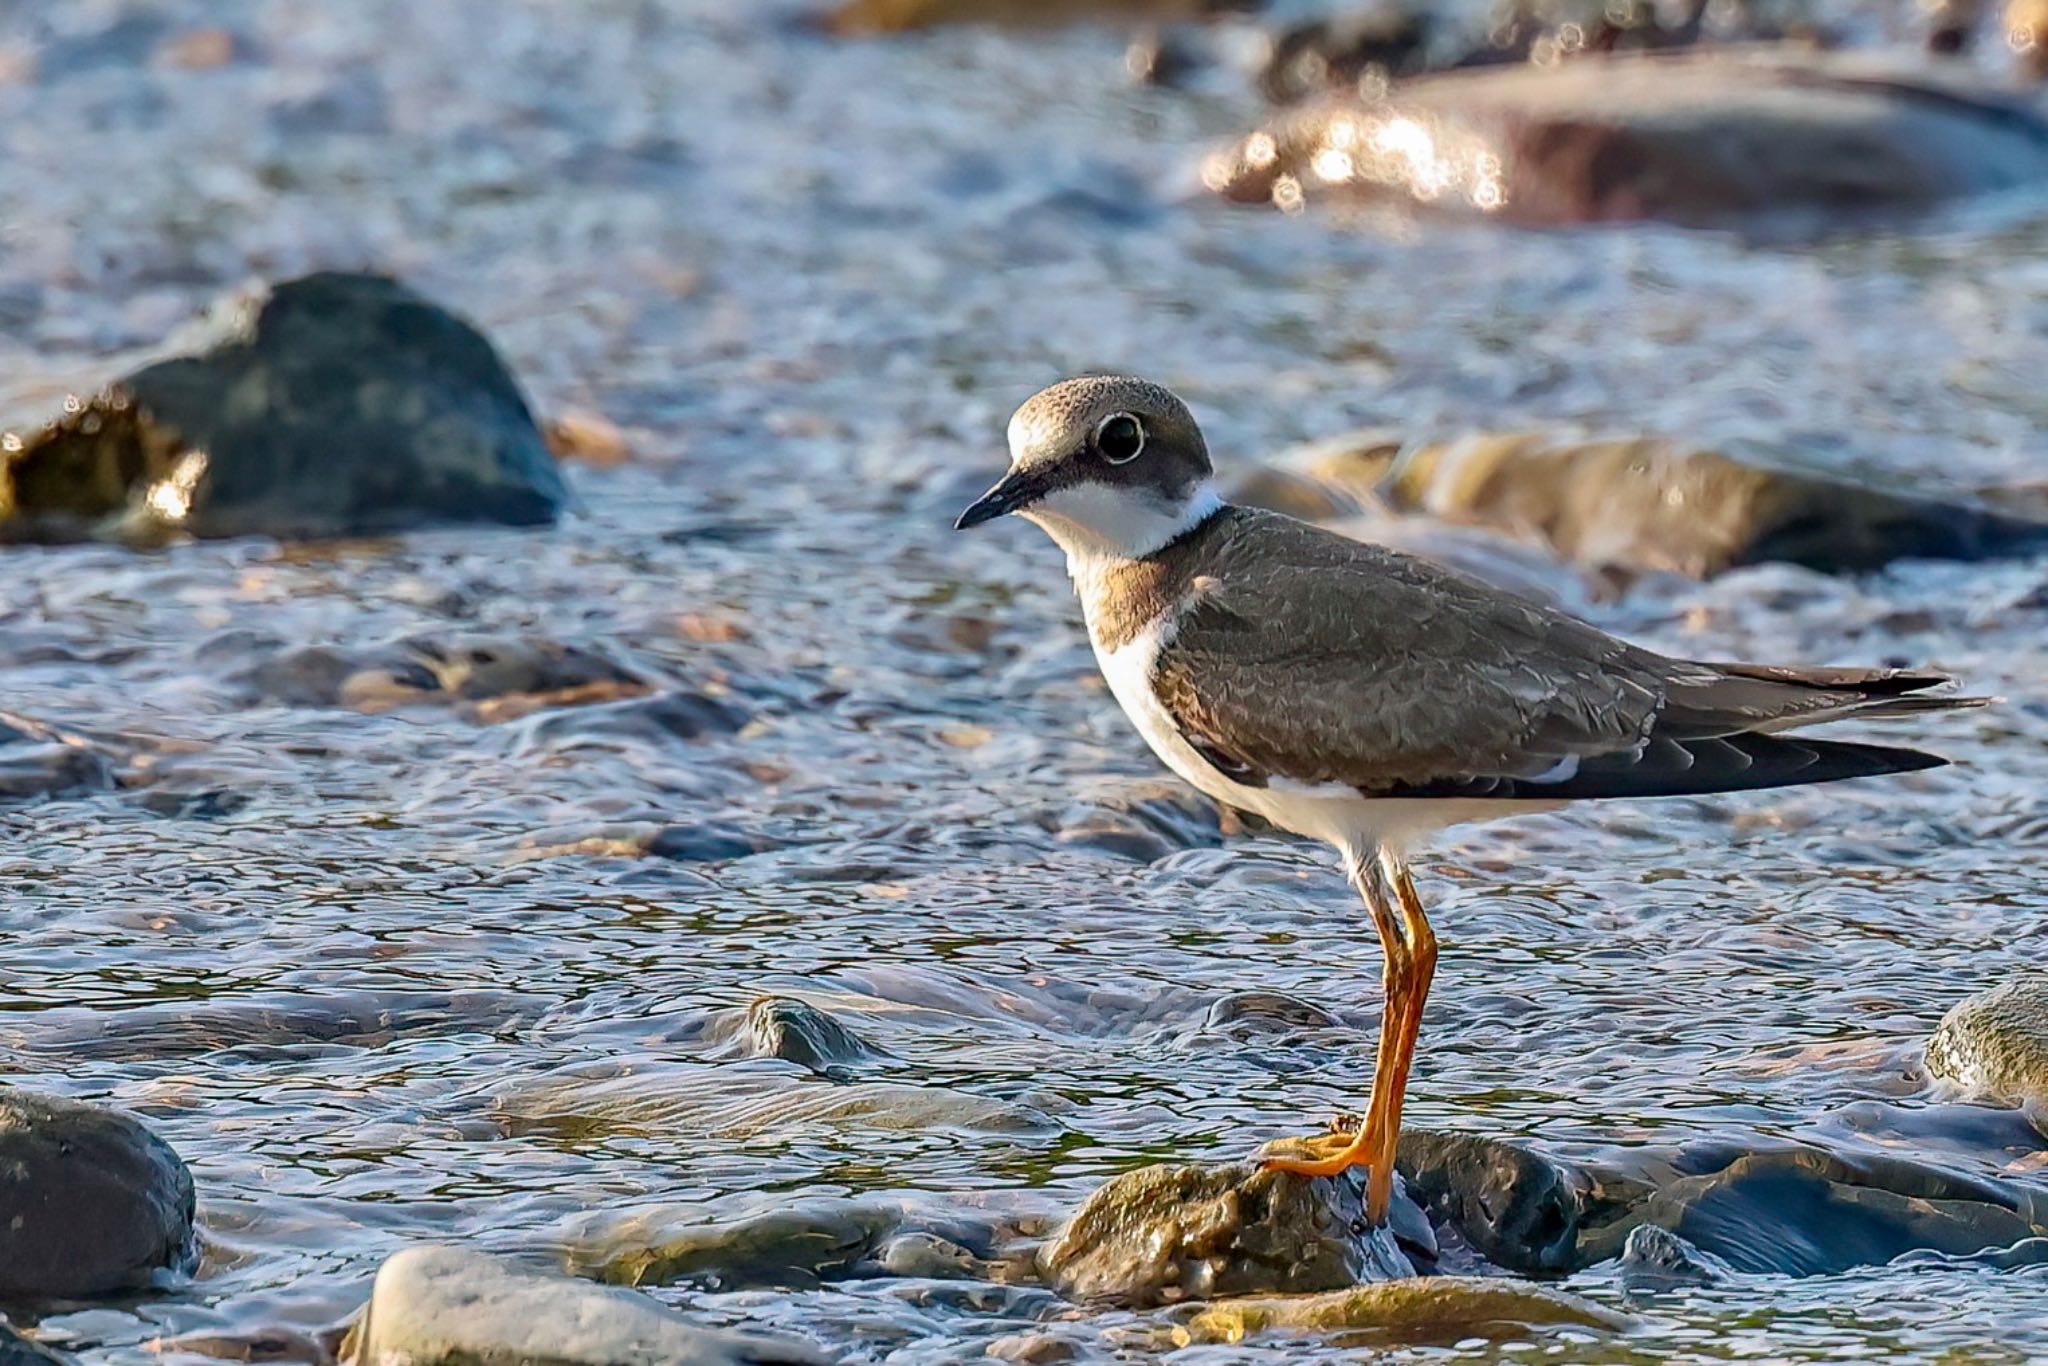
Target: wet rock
{"type": "Point", "coordinates": [16, 1350]}
{"type": "Point", "coordinates": [491, 677]}
{"type": "Point", "coordinates": [1788, 145]}
{"type": "Point", "coordinates": [1995, 1043]}
{"type": "Point", "coordinates": [1414, 1311]}
{"type": "Point", "coordinates": [1516, 1208]}
{"type": "Point", "coordinates": [1654, 1258]}
{"type": "Point", "coordinates": [90, 1200]}
{"type": "Point", "coordinates": [334, 405]}
{"type": "Point", "coordinates": [1143, 820]}
{"type": "Point", "coordinates": [1267, 1014]}
{"type": "Point", "coordinates": [38, 760]}
{"type": "Point", "coordinates": [1166, 1233]}
{"type": "Point", "coordinates": [1804, 1212]}
{"type": "Point", "coordinates": [1741, 1202]}
{"type": "Point", "coordinates": [660, 1096]}
{"type": "Point", "coordinates": [927, 1256]}
{"type": "Point", "coordinates": [259, 1345]}
{"type": "Point", "coordinates": [798, 1032]}
{"type": "Point", "coordinates": [658, 719]}
{"type": "Point", "coordinates": [1030, 1347]}
{"type": "Point", "coordinates": [448, 1306]}
{"type": "Point", "coordinates": [1648, 505]}
{"type": "Point", "coordinates": [799, 1243]}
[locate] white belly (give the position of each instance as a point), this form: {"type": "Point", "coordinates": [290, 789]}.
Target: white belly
{"type": "Point", "coordinates": [1331, 812]}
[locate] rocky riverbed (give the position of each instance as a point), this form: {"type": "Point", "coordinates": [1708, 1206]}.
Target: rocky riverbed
{"type": "Point", "coordinates": [742, 897]}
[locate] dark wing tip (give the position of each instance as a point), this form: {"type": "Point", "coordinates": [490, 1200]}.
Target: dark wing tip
{"type": "Point", "coordinates": [1745, 762]}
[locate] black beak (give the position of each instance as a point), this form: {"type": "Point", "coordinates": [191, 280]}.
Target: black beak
{"type": "Point", "coordinates": [1014, 490]}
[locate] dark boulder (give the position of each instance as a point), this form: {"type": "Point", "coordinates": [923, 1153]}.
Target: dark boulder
{"type": "Point", "coordinates": [1745, 1203]}
{"type": "Point", "coordinates": [333, 405]}
{"type": "Point", "coordinates": [1788, 144]}
{"type": "Point", "coordinates": [90, 1200]}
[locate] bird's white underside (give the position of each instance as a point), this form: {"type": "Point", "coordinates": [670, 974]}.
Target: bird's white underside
{"type": "Point", "coordinates": [1332, 812]}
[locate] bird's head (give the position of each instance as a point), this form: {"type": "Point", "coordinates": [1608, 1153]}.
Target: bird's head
{"type": "Point", "coordinates": [1109, 465]}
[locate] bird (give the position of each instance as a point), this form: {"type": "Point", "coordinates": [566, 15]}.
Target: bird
{"type": "Point", "coordinates": [1367, 698]}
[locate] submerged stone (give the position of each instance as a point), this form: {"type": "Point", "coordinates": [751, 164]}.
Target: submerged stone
{"type": "Point", "coordinates": [798, 1032]}
{"type": "Point", "coordinates": [657, 1095]}
{"type": "Point", "coordinates": [333, 405]}
{"type": "Point", "coordinates": [492, 677]}
{"type": "Point", "coordinates": [448, 1306]}
{"type": "Point", "coordinates": [1654, 1258]}
{"type": "Point", "coordinates": [90, 1200]}
{"type": "Point", "coordinates": [1995, 1043]}
{"type": "Point", "coordinates": [16, 1350]}
{"type": "Point", "coordinates": [1773, 140]}
{"type": "Point", "coordinates": [1647, 505]}
{"type": "Point", "coordinates": [1741, 1202]}
{"type": "Point", "coordinates": [1166, 1233]}
{"type": "Point", "coordinates": [1516, 1208]}
{"type": "Point", "coordinates": [802, 1243]}
{"type": "Point", "coordinates": [1417, 1310]}
{"type": "Point", "coordinates": [38, 760]}
{"type": "Point", "coordinates": [1145, 820]}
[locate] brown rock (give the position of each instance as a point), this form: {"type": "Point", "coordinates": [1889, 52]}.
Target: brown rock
{"type": "Point", "coordinates": [1700, 139]}
{"type": "Point", "coordinates": [1165, 1233]}
{"type": "Point", "coordinates": [1429, 1309]}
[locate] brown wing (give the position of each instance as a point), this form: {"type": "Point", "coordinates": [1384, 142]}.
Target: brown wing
{"type": "Point", "coordinates": [1311, 657]}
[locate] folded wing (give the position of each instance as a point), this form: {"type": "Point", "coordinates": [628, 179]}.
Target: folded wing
{"type": "Point", "coordinates": [1308, 658]}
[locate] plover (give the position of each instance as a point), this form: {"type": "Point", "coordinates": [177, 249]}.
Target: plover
{"type": "Point", "coordinates": [1368, 698]}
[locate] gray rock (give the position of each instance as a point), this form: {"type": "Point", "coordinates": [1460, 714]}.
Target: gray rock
{"type": "Point", "coordinates": [1995, 1043]}
{"type": "Point", "coordinates": [1514, 1207]}
{"type": "Point", "coordinates": [1268, 1014]}
{"type": "Point", "coordinates": [1745, 1203]}
{"type": "Point", "coordinates": [799, 1243]}
{"type": "Point", "coordinates": [334, 405]}
{"type": "Point", "coordinates": [1654, 1258]}
{"type": "Point", "coordinates": [449, 1306]}
{"type": "Point", "coordinates": [90, 1200]}
{"type": "Point", "coordinates": [1162, 1234]}
{"type": "Point", "coordinates": [927, 1256]}
{"type": "Point", "coordinates": [1783, 142]}
{"type": "Point", "coordinates": [1799, 1211]}
{"type": "Point", "coordinates": [798, 1032]}
{"type": "Point", "coordinates": [37, 760]}
{"type": "Point", "coordinates": [491, 677]}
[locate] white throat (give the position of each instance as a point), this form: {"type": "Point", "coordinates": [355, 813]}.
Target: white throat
{"type": "Point", "coordinates": [1096, 524]}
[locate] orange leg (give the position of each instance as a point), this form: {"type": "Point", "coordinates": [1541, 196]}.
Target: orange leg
{"type": "Point", "coordinates": [1410, 960]}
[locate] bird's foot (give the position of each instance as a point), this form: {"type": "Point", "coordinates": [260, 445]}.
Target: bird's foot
{"type": "Point", "coordinates": [1337, 1152]}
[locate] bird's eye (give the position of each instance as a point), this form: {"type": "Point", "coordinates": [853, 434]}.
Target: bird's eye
{"type": "Point", "coordinates": [1120, 438]}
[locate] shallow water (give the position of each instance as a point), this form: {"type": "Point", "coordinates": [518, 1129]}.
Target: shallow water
{"type": "Point", "coordinates": [318, 948]}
